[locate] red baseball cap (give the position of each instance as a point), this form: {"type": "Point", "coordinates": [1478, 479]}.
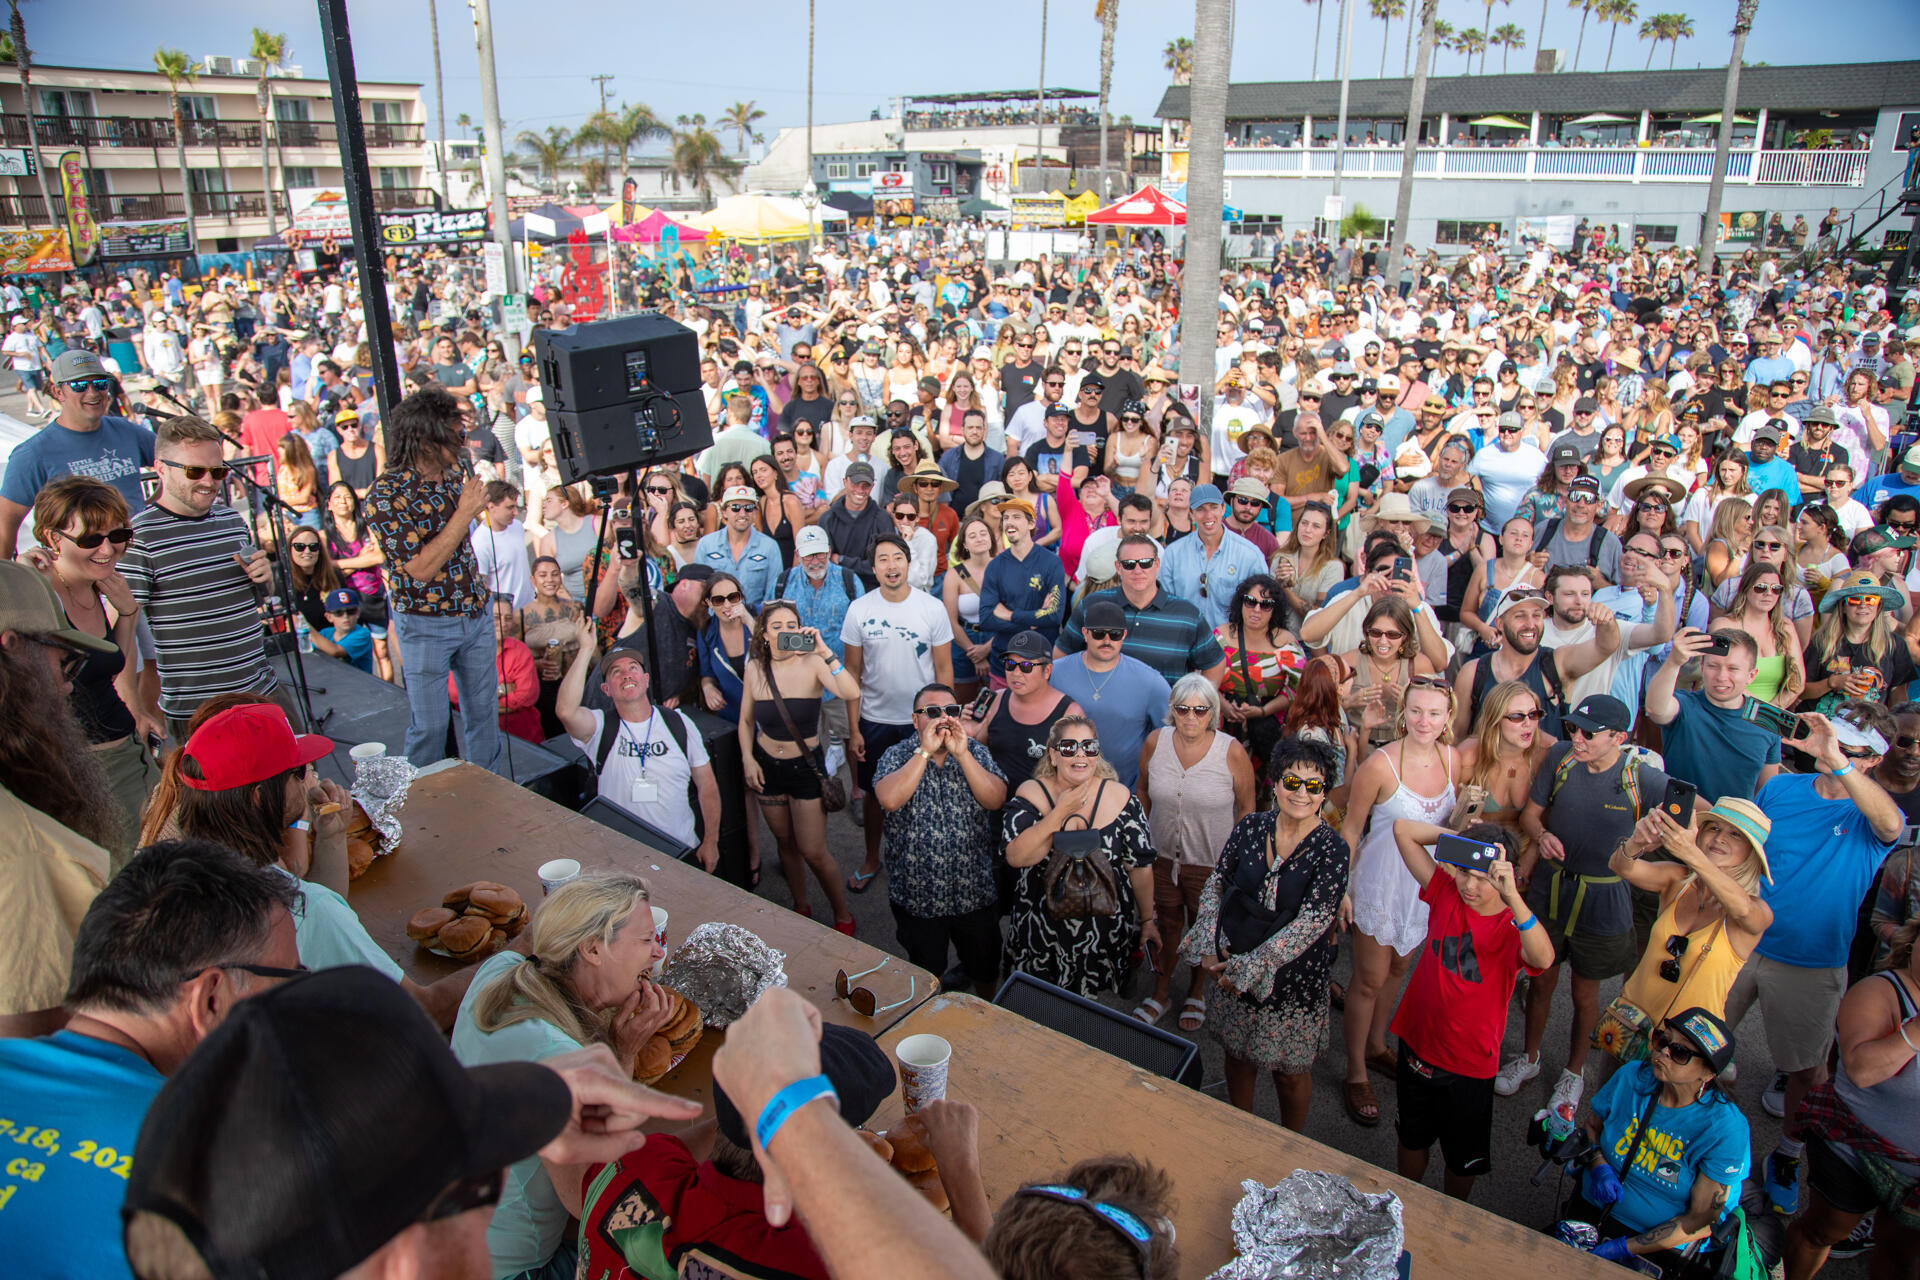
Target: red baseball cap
{"type": "Point", "coordinates": [249, 744]}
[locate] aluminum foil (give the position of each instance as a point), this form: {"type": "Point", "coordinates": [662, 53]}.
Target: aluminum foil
{"type": "Point", "coordinates": [724, 968]}
{"type": "Point", "coordinates": [1317, 1225]}
{"type": "Point", "coordinates": [380, 785]}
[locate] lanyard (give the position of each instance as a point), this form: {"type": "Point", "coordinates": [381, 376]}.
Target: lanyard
{"type": "Point", "coordinates": [628, 734]}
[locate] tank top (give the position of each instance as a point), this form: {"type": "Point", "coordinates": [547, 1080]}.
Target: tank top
{"type": "Point", "coordinates": [768, 720]}
{"type": "Point", "coordinates": [1193, 808]}
{"type": "Point", "coordinates": [1364, 675]}
{"type": "Point", "coordinates": [365, 580]}
{"type": "Point", "coordinates": [782, 535]}
{"type": "Point", "coordinates": [1707, 968]}
{"type": "Point", "coordinates": [1892, 1107]}
{"type": "Point", "coordinates": [358, 472]}
{"type": "Point", "coordinates": [1126, 466]}
{"type": "Point", "coordinates": [572, 550]}
{"type": "Point", "coordinates": [95, 701]}
{"type": "Point", "coordinates": [1017, 748]}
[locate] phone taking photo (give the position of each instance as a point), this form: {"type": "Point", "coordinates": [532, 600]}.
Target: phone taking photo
{"type": "Point", "coordinates": [1783, 723]}
{"type": "Point", "coordinates": [1678, 802]}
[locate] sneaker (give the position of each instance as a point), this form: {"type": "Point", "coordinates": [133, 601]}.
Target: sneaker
{"type": "Point", "coordinates": [1773, 1099]}
{"type": "Point", "coordinates": [1781, 1182]}
{"type": "Point", "coordinates": [1858, 1242]}
{"type": "Point", "coordinates": [1515, 1073]}
{"type": "Point", "coordinates": [1566, 1094]}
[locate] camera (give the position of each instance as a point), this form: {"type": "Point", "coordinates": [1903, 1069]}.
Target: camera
{"type": "Point", "coordinates": [1558, 1145]}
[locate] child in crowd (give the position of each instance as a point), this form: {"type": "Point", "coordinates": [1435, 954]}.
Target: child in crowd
{"type": "Point", "coordinates": [346, 639]}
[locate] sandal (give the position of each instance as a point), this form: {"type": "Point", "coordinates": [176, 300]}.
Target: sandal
{"type": "Point", "coordinates": [1387, 1063]}
{"type": "Point", "coordinates": [1150, 1011]}
{"type": "Point", "coordinates": [860, 881]}
{"type": "Point", "coordinates": [1193, 1014]}
{"type": "Point", "coordinates": [1362, 1107]}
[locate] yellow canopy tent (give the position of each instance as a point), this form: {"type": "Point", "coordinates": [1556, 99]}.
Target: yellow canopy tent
{"type": "Point", "coordinates": [1080, 206]}
{"type": "Point", "coordinates": [753, 217]}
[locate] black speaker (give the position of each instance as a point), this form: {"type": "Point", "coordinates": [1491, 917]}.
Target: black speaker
{"type": "Point", "coordinates": [1109, 1030]}
{"type": "Point", "coordinates": [622, 394]}
{"type": "Point", "coordinates": [610, 815]}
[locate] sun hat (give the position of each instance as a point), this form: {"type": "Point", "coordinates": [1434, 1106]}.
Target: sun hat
{"type": "Point", "coordinates": [990, 492]}
{"type": "Point", "coordinates": [248, 744]}
{"type": "Point", "coordinates": [1860, 583]}
{"type": "Point", "coordinates": [1749, 820]}
{"type": "Point", "coordinates": [928, 469]}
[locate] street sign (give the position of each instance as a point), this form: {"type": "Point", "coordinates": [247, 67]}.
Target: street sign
{"type": "Point", "coordinates": [1335, 209]}
{"type": "Point", "coordinates": [513, 314]}
{"type": "Point", "coordinates": [496, 260]}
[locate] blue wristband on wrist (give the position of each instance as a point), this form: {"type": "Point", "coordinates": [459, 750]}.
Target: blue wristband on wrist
{"type": "Point", "coordinates": [1531, 921]}
{"type": "Point", "coordinates": [1843, 770]}
{"type": "Point", "coordinates": [783, 1104]}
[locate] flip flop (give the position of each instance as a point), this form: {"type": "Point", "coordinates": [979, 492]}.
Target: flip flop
{"type": "Point", "coordinates": [1193, 1014]}
{"type": "Point", "coordinates": [1359, 1100]}
{"type": "Point", "coordinates": [861, 881]}
{"type": "Point", "coordinates": [1150, 1011]}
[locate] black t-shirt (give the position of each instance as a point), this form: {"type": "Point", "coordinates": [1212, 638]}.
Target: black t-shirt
{"type": "Point", "coordinates": [1895, 665]}
{"type": "Point", "coordinates": [971, 475]}
{"type": "Point", "coordinates": [1590, 374]}
{"type": "Point", "coordinates": [1018, 383]}
{"type": "Point", "coordinates": [696, 490]}
{"type": "Point", "coordinates": [1050, 460]}
{"type": "Point", "coordinates": [1092, 440]}
{"type": "Point", "coordinates": [815, 411]}
{"type": "Point", "coordinates": [484, 446]}
{"type": "Point", "coordinates": [1812, 462]}
{"type": "Point", "coordinates": [1122, 385]}
{"type": "Point", "coordinates": [1426, 348]}
{"type": "Point", "coordinates": [1334, 404]}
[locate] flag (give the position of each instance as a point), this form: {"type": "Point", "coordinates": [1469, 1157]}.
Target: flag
{"type": "Point", "coordinates": [82, 233]}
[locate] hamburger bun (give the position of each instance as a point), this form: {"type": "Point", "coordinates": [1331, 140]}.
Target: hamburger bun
{"type": "Point", "coordinates": [881, 1147]}
{"type": "Point", "coordinates": [929, 1185]}
{"type": "Point", "coordinates": [359, 857]}
{"type": "Point", "coordinates": [656, 1059]}
{"type": "Point", "coordinates": [497, 902]}
{"type": "Point", "coordinates": [457, 898]}
{"type": "Point", "coordinates": [911, 1154]}
{"type": "Point", "coordinates": [426, 924]}
{"type": "Point", "coordinates": [357, 820]}
{"type": "Point", "coordinates": [516, 922]}
{"type": "Point", "coordinates": [465, 935]}
{"type": "Point", "coordinates": [686, 1027]}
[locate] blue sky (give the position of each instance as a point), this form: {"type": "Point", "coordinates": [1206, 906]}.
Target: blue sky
{"type": "Point", "coordinates": [685, 58]}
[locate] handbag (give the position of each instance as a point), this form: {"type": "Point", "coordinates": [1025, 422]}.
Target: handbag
{"type": "Point", "coordinates": [833, 792]}
{"type": "Point", "coordinates": [1624, 1026]}
{"type": "Point", "coordinates": [1079, 878]}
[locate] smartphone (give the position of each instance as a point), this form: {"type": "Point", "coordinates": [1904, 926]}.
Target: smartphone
{"type": "Point", "coordinates": [1719, 646]}
{"type": "Point", "coordinates": [1678, 802]}
{"type": "Point", "coordinates": [626, 543]}
{"type": "Point", "coordinates": [978, 711]}
{"type": "Point", "coordinates": [1784, 723]}
{"type": "Point", "coordinates": [1402, 569]}
{"type": "Point", "coordinates": [795, 641]}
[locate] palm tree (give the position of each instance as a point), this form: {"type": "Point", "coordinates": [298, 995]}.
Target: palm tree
{"type": "Point", "coordinates": [1488, 28]}
{"type": "Point", "coordinates": [1723, 133]}
{"type": "Point", "coordinates": [1681, 28]}
{"type": "Point", "coordinates": [1586, 8]}
{"type": "Point", "coordinates": [1470, 42]}
{"type": "Point", "coordinates": [464, 121]}
{"type": "Point", "coordinates": [740, 118]}
{"type": "Point", "coordinates": [1177, 58]}
{"type": "Point", "coordinates": [623, 130]}
{"type": "Point", "coordinates": [1319, 11]}
{"type": "Point", "coordinates": [23, 62]}
{"type": "Point", "coordinates": [1108, 11]}
{"type": "Point", "coordinates": [551, 151]}
{"type": "Point", "coordinates": [1386, 11]}
{"type": "Point", "coordinates": [593, 175]}
{"type": "Point", "coordinates": [1507, 37]}
{"type": "Point", "coordinates": [1416, 106]}
{"type": "Point", "coordinates": [439, 91]}
{"type": "Point", "coordinates": [1442, 39]}
{"type": "Point", "coordinates": [178, 69]}
{"type": "Point", "coordinates": [1617, 14]}
{"type": "Point", "coordinates": [1206, 189]}
{"type": "Point", "coordinates": [1664, 26]}
{"type": "Point", "coordinates": [1541, 42]}
{"type": "Point", "coordinates": [268, 52]}
{"type": "Point", "coordinates": [699, 156]}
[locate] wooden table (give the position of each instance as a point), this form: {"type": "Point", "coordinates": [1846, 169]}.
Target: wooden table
{"type": "Point", "coordinates": [1047, 1101]}
{"type": "Point", "coordinates": [464, 823]}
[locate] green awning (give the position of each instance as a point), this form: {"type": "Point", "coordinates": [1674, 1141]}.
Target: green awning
{"type": "Point", "coordinates": [1500, 122]}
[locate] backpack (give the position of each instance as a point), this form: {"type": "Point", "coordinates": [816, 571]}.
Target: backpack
{"type": "Point", "coordinates": [1596, 541]}
{"type": "Point", "coordinates": [1629, 778]}
{"type": "Point", "coordinates": [677, 730]}
{"type": "Point", "coordinates": [1553, 704]}
{"type": "Point", "coordinates": [849, 583]}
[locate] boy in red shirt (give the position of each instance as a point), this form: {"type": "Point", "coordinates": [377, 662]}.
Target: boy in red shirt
{"type": "Point", "coordinates": [1453, 1014]}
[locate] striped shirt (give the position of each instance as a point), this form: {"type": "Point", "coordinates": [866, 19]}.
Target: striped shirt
{"type": "Point", "coordinates": [200, 604]}
{"type": "Point", "coordinates": [1167, 633]}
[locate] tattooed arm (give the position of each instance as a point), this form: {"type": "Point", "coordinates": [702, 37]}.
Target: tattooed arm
{"type": "Point", "coordinates": [1709, 1201]}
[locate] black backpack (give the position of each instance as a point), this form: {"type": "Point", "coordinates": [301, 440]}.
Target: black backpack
{"type": "Point", "coordinates": [1596, 541]}
{"type": "Point", "coordinates": [677, 730]}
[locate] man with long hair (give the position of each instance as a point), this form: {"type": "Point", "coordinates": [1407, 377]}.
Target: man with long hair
{"type": "Point", "coordinates": [419, 510]}
{"type": "Point", "coordinates": [54, 803]}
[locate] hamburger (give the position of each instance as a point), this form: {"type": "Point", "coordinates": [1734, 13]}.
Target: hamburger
{"type": "Point", "coordinates": [359, 856]}
{"type": "Point", "coordinates": [911, 1154]}
{"type": "Point", "coordinates": [467, 936]}
{"type": "Point", "coordinates": [426, 924]}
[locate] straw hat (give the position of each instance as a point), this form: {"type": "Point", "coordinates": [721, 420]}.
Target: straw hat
{"type": "Point", "coordinates": [930, 470]}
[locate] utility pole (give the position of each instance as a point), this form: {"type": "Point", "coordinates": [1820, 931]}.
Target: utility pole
{"type": "Point", "coordinates": [1206, 164]}
{"type": "Point", "coordinates": [1346, 62]}
{"type": "Point", "coordinates": [439, 100]}
{"type": "Point", "coordinates": [496, 156]}
{"type": "Point", "coordinates": [606, 156]}
{"type": "Point", "coordinates": [1723, 135]}
{"type": "Point", "coordinates": [1416, 108]}
{"type": "Point", "coordinates": [1040, 116]}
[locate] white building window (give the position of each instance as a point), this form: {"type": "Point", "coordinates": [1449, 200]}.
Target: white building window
{"type": "Point", "coordinates": [942, 172]}
{"type": "Point", "coordinates": [837, 169]}
{"type": "Point", "coordinates": [300, 175]}
{"type": "Point", "coordinates": [863, 168]}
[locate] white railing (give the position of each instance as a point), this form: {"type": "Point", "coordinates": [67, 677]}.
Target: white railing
{"type": "Point", "coordinates": [1602, 164]}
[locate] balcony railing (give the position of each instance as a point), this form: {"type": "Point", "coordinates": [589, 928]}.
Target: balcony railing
{"type": "Point", "coordinates": [87, 132]}
{"type": "Point", "coordinates": [24, 209]}
{"type": "Point", "coordinates": [1526, 163]}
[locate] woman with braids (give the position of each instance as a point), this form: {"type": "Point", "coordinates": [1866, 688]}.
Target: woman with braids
{"type": "Point", "coordinates": [584, 982]}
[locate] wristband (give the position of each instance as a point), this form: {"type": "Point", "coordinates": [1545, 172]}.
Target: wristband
{"type": "Point", "coordinates": [1843, 770]}
{"type": "Point", "coordinates": [1418, 609]}
{"type": "Point", "coordinates": [1530, 922]}
{"type": "Point", "coordinates": [781, 1106]}
{"type": "Point", "coordinates": [299, 824]}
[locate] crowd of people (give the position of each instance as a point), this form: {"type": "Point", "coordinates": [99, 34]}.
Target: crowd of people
{"type": "Point", "coordinates": [1552, 611]}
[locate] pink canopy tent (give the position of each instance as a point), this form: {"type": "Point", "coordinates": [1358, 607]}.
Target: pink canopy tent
{"type": "Point", "coordinates": [1147, 207]}
{"type": "Point", "coordinates": [649, 230]}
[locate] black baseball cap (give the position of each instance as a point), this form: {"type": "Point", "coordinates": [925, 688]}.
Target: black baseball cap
{"type": "Point", "coordinates": [320, 1120]}
{"type": "Point", "coordinates": [1030, 646]}
{"type": "Point", "coordinates": [1106, 614]}
{"type": "Point", "coordinates": [1708, 1034]}
{"type": "Point", "coordinates": [859, 1070]}
{"type": "Point", "coordinates": [1600, 711]}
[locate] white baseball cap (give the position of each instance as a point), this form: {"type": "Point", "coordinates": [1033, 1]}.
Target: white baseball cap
{"type": "Point", "coordinates": [811, 540]}
{"type": "Point", "coordinates": [739, 493]}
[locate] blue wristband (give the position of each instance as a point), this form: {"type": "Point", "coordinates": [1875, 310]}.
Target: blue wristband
{"type": "Point", "coordinates": [1843, 770]}
{"type": "Point", "coordinates": [783, 1104]}
{"type": "Point", "coordinates": [1531, 921]}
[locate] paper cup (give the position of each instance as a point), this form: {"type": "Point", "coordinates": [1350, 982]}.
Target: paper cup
{"type": "Point", "coordinates": [659, 939]}
{"type": "Point", "coordinates": [923, 1069]}
{"type": "Point", "coordinates": [368, 751]}
{"type": "Point", "coordinates": [556, 873]}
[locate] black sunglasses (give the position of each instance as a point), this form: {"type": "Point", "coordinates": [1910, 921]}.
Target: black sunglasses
{"type": "Point", "coordinates": [936, 710]}
{"type": "Point", "coordinates": [1106, 633]}
{"type": "Point", "coordinates": [197, 473]}
{"type": "Point", "coordinates": [466, 1194]}
{"type": "Point", "coordinates": [726, 597]}
{"type": "Point", "coordinates": [88, 541]}
{"type": "Point", "coordinates": [1070, 747]}
{"type": "Point", "coordinates": [1022, 665]}
{"type": "Point", "coordinates": [71, 659]}
{"type": "Point", "coordinates": [1147, 563]}
{"type": "Point", "coordinates": [1664, 1042]}
{"type": "Point", "coordinates": [1670, 967]}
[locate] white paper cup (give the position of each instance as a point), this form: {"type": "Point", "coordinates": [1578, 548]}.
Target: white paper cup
{"type": "Point", "coordinates": [923, 1069]}
{"type": "Point", "coordinates": [556, 873]}
{"type": "Point", "coordinates": [659, 939]}
{"type": "Point", "coordinates": [368, 751]}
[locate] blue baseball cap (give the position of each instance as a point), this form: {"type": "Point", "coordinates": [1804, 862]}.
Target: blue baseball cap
{"type": "Point", "coordinates": [1205, 494]}
{"type": "Point", "coordinates": [342, 598]}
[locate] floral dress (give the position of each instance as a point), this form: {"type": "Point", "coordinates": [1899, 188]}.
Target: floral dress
{"type": "Point", "coordinates": [1085, 956]}
{"type": "Point", "coordinates": [1278, 1021]}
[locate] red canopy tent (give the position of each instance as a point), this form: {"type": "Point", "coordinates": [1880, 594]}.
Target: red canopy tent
{"type": "Point", "coordinates": [648, 229]}
{"type": "Point", "coordinates": [1147, 207]}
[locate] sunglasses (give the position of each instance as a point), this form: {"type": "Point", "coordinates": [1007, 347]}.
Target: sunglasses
{"type": "Point", "coordinates": [1137, 563]}
{"type": "Point", "coordinates": [864, 1002]}
{"type": "Point", "coordinates": [305, 548]}
{"type": "Point", "coordinates": [90, 384]}
{"type": "Point", "coordinates": [1670, 967]}
{"type": "Point", "coordinates": [660, 490]}
{"type": "Point", "coordinates": [71, 660]}
{"type": "Point", "coordinates": [1377, 634]}
{"type": "Point", "coordinates": [1070, 747]}
{"type": "Point", "coordinates": [1192, 709]}
{"type": "Point", "coordinates": [1106, 633]}
{"type": "Point", "coordinates": [725, 597]}
{"type": "Point", "coordinates": [735, 508]}
{"type": "Point", "coordinates": [1664, 1042]}
{"type": "Point", "coordinates": [1312, 786]}
{"type": "Point", "coordinates": [1022, 665]}
{"type": "Point", "coordinates": [88, 541]}
{"type": "Point", "coordinates": [1123, 1221]}
{"type": "Point", "coordinates": [197, 473]}
{"type": "Point", "coordinates": [936, 710]}
{"type": "Point", "coordinates": [1258, 602]}
{"type": "Point", "coordinates": [462, 1196]}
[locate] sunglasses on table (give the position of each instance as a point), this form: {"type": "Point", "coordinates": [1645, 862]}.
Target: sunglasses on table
{"type": "Point", "coordinates": [197, 473]}
{"type": "Point", "coordinates": [724, 597]}
{"type": "Point", "coordinates": [89, 384]}
{"type": "Point", "coordinates": [1293, 782]}
{"type": "Point", "coordinates": [88, 541]}
{"type": "Point", "coordinates": [933, 711]}
{"type": "Point", "coordinates": [864, 1002]}
{"type": "Point", "coordinates": [1070, 747]}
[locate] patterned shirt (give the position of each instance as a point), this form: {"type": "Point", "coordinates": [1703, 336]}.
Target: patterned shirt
{"type": "Point", "coordinates": [405, 512]}
{"type": "Point", "coordinates": [940, 843]}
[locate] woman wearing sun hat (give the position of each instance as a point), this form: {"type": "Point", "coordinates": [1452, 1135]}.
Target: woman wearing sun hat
{"type": "Point", "coordinates": [1856, 651]}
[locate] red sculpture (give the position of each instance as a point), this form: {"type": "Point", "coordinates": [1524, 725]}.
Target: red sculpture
{"type": "Point", "coordinates": [583, 283]}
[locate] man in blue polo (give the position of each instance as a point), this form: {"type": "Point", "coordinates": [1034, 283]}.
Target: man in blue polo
{"type": "Point", "coordinates": [1209, 566]}
{"type": "Point", "coordinates": [738, 548]}
{"type": "Point", "coordinates": [1163, 631]}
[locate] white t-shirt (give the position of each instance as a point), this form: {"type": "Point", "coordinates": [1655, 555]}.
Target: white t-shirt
{"type": "Point", "coordinates": [896, 643]}
{"type": "Point", "coordinates": [1505, 476]}
{"type": "Point", "coordinates": [502, 560]}
{"type": "Point", "coordinates": [26, 349]}
{"type": "Point", "coordinates": [530, 433]}
{"type": "Point", "coordinates": [647, 774]}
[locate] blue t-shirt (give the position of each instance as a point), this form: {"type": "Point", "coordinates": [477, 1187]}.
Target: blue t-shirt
{"type": "Point", "coordinates": [1125, 705]}
{"type": "Point", "coordinates": [359, 646]}
{"type": "Point", "coordinates": [1708, 1139]}
{"type": "Point", "coordinates": [115, 453]}
{"type": "Point", "coordinates": [1775, 473]}
{"type": "Point", "coordinates": [1824, 856]}
{"type": "Point", "coordinates": [71, 1111]}
{"type": "Point", "coordinates": [1886, 487]}
{"type": "Point", "coordinates": [1716, 750]}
